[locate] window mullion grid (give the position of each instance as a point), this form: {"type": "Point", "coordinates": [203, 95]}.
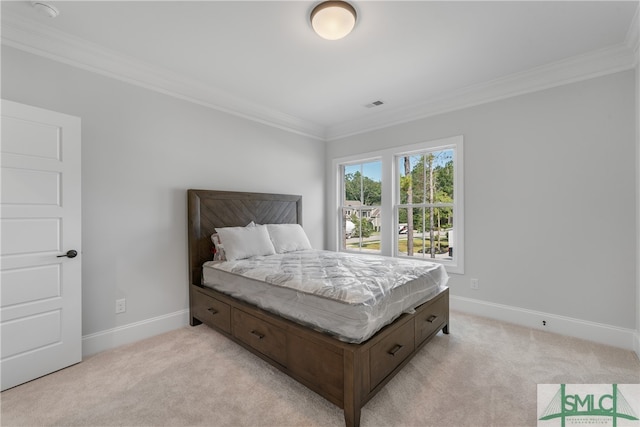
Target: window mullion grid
{"type": "Point", "coordinates": [425, 205]}
{"type": "Point", "coordinates": [427, 201]}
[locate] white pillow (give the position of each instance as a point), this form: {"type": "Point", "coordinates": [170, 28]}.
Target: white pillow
{"type": "Point", "coordinates": [288, 237]}
{"type": "Point", "coordinates": [218, 247]}
{"type": "Point", "coordinates": [245, 242]}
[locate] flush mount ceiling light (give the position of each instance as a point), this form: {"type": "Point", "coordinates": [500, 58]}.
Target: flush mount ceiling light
{"type": "Point", "coordinates": [333, 20]}
{"type": "Point", "coordinates": [45, 9]}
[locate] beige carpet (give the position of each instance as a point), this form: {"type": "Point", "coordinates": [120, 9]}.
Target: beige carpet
{"type": "Point", "coordinates": [483, 374]}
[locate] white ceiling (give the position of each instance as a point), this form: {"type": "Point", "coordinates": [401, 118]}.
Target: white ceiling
{"type": "Point", "coordinates": [261, 59]}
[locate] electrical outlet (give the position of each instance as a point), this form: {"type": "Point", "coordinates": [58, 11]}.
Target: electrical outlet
{"type": "Point", "coordinates": [121, 305]}
{"type": "Point", "coordinates": [475, 284]}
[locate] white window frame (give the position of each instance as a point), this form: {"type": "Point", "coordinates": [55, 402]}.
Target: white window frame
{"type": "Point", "coordinates": [391, 198]}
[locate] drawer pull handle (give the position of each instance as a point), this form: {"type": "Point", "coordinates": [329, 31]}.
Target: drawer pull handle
{"type": "Point", "coordinates": [257, 334]}
{"type": "Point", "coordinates": [431, 318]}
{"type": "Point", "coordinates": [212, 310]}
{"type": "Point", "coordinates": [395, 349]}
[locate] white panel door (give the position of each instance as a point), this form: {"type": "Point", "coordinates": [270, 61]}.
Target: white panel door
{"type": "Point", "coordinates": [40, 227]}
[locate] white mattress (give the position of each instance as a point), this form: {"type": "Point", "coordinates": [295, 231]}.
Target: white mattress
{"type": "Point", "coordinates": [346, 295]}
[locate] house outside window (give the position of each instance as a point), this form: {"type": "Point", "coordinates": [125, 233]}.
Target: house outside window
{"type": "Point", "coordinates": [360, 220]}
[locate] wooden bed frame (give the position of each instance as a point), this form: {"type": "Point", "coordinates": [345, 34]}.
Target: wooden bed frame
{"type": "Point", "coordinates": [347, 375]}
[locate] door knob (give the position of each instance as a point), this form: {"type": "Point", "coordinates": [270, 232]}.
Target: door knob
{"type": "Point", "coordinates": [69, 254]}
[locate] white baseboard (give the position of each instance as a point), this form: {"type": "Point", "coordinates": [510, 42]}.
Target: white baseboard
{"type": "Point", "coordinates": [111, 338]}
{"type": "Point", "coordinates": [627, 339]}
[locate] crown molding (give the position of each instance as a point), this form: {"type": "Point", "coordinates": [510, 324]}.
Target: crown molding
{"type": "Point", "coordinates": [32, 37]}
{"type": "Point", "coordinates": [574, 69]}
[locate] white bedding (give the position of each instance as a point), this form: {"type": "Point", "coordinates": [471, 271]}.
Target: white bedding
{"type": "Point", "coordinates": [347, 295]}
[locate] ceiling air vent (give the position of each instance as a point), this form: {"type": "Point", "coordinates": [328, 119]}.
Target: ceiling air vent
{"type": "Point", "coordinates": [374, 104]}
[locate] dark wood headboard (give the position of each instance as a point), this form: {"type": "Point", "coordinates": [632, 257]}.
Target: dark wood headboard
{"type": "Point", "coordinates": [208, 209]}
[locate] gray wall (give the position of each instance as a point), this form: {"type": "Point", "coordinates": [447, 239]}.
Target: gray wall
{"type": "Point", "coordinates": [559, 166]}
{"type": "Point", "coordinates": [140, 152]}
{"type": "Point", "coordinates": [549, 197]}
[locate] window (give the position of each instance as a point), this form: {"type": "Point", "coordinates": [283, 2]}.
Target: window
{"type": "Point", "coordinates": [404, 201]}
{"type": "Point", "coordinates": [425, 207]}
{"type": "Point", "coordinates": [360, 217]}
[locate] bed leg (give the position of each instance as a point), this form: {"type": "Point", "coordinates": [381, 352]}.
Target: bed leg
{"type": "Point", "coordinates": [445, 330]}
{"type": "Point", "coordinates": [352, 419]}
{"type": "Point", "coordinates": [352, 388]}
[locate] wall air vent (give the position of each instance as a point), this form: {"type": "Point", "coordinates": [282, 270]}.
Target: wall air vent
{"type": "Point", "coordinates": [374, 104]}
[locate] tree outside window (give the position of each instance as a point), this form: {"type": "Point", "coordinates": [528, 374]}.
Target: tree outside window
{"type": "Point", "coordinates": [426, 204]}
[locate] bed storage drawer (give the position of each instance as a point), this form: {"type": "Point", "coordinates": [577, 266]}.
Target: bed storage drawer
{"type": "Point", "coordinates": [211, 312]}
{"type": "Point", "coordinates": [268, 339]}
{"type": "Point", "coordinates": [317, 364]}
{"type": "Point", "coordinates": [391, 351]}
{"type": "Point", "coordinates": [431, 317]}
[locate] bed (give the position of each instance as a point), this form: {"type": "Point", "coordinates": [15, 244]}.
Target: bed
{"type": "Point", "coordinates": [347, 368]}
